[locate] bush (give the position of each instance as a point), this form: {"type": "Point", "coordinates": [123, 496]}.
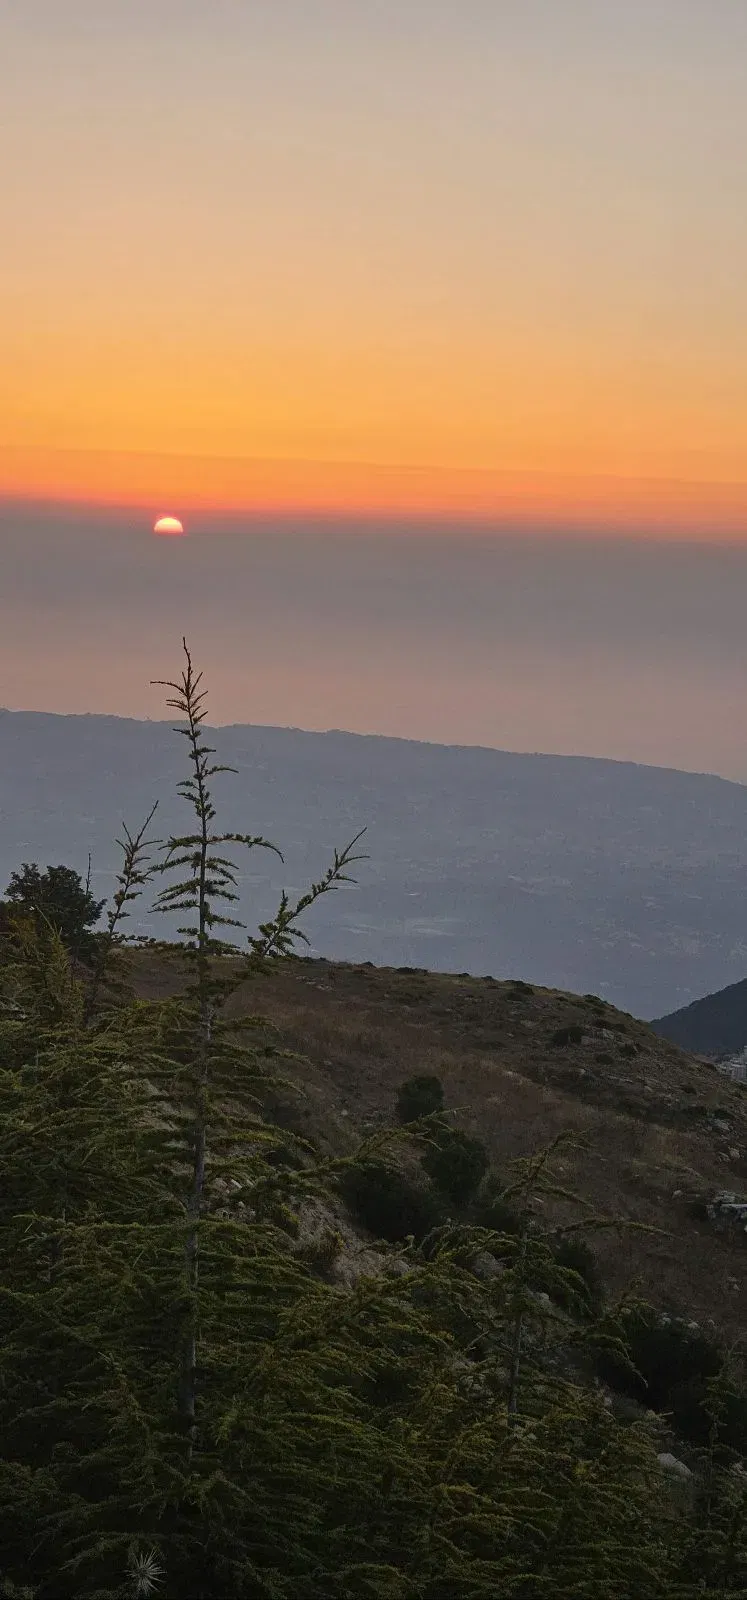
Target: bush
{"type": "Point", "coordinates": [57, 896]}
{"type": "Point", "coordinates": [388, 1202]}
{"type": "Point", "coordinates": [490, 1210]}
{"type": "Point", "coordinates": [574, 1255]}
{"type": "Point", "coordinates": [456, 1164]}
{"type": "Point", "coordinates": [419, 1097]}
{"type": "Point", "coordinates": [670, 1357]}
{"type": "Point", "coordinates": [565, 1036]}
{"type": "Point", "coordinates": [698, 1405]}
{"type": "Point", "coordinates": [14, 923]}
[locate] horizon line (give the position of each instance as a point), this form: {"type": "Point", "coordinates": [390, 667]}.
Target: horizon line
{"type": "Point", "coordinates": [333, 491]}
{"type": "Point", "coordinates": [389, 738]}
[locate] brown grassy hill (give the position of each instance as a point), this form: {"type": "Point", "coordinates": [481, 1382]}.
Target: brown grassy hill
{"type": "Point", "coordinates": [654, 1133]}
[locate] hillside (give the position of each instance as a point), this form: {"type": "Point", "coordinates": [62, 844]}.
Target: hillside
{"type": "Point", "coordinates": [713, 1026]}
{"type": "Point", "coordinates": [653, 1134]}
{"type": "Point", "coordinates": [578, 873]}
{"type": "Point", "coordinates": [292, 1396]}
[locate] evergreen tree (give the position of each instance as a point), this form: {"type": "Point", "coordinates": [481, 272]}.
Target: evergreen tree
{"type": "Point", "coordinates": [189, 1408]}
{"type": "Point", "coordinates": [206, 889]}
{"type": "Point", "coordinates": [58, 896]}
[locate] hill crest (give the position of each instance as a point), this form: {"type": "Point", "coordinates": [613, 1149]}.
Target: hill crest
{"type": "Point", "coordinates": [566, 870]}
{"type": "Point", "coordinates": [650, 1134]}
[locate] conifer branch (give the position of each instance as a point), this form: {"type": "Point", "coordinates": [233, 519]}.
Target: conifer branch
{"type": "Point", "coordinates": [135, 873]}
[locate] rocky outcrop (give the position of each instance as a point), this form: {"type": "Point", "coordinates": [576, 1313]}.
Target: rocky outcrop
{"type": "Point", "coordinates": [729, 1211]}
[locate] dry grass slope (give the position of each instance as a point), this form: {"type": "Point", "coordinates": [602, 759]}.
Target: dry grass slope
{"type": "Point", "coordinates": [652, 1132]}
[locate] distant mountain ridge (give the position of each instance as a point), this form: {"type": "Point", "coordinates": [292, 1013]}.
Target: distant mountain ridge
{"type": "Point", "coordinates": [588, 875]}
{"type": "Point", "coordinates": [713, 1026]}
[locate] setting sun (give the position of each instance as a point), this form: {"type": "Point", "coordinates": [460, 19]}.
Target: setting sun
{"type": "Point", "coordinates": [168, 526]}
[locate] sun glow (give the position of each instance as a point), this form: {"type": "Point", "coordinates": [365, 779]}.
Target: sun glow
{"type": "Point", "coordinates": [168, 527]}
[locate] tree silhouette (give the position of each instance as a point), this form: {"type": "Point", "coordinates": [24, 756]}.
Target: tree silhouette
{"type": "Point", "coordinates": [59, 897]}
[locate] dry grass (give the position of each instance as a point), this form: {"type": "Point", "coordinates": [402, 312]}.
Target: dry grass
{"type": "Point", "coordinates": [639, 1115]}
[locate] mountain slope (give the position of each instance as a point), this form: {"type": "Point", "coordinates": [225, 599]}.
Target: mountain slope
{"type": "Point", "coordinates": [649, 1134]}
{"type": "Point", "coordinates": [584, 874]}
{"type": "Point", "coordinates": [713, 1026]}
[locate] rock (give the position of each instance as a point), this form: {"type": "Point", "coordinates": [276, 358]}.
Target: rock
{"type": "Point", "coordinates": [486, 1267]}
{"type": "Point", "coordinates": [397, 1267]}
{"type": "Point", "coordinates": [670, 1463]}
{"type": "Point", "coordinates": [727, 1209]}
{"type": "Point", "coordinates": [541, 1299]}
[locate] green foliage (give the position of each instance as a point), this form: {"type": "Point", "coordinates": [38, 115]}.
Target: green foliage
{"type": "Point", "coordinates": [673, 1367]}
{"type": "Point", "coordinates": [456, 1163]}
{"type": "Point", "coordinates": [491, 1209]}
{"type": "Point", "coordinates": [389, 1202]}
{"type": "Point", "coordinates": [189, 1408]}
{"type": "Point", "coordinates": [135, 873]}
{"type": "Point", "coordinates": [206, 892]}
{"type": "Point", "coordinates": [421, 1096]}
{"type": "Point", "coordinates": [57, 896]}
{"type": "Point", "coordinates": [575, 1256]}
{"type": "Point", "coordinates": [665, 1353]}
{"type": "Point", "coordinates": [711, 1410]}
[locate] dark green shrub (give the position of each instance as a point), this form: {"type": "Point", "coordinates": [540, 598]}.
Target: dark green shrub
{"type": "Point", "coordinates": [669, 1356]}
{"type": "Point", "coordinates": [14, 922]}
{"type": "Point", "coordinates": [702, 1410]}
{"type": "Point", "coordinates": [456, 1164]}
{"type": "Point", "coordinates": [490, 1210]}
{"type": "Point", "coordinates": [688, 1410]}
{"type": "Point", "coordinates": [57, 896]}
{"type": "Point", "coordinates": [565, 1036]}
{"type": "Point", "coordinates": [575, 1256]}
{"type": "Point", "coordinates": [388, 1202]}
{"type": "Point", "coordinates": [420, 1097]}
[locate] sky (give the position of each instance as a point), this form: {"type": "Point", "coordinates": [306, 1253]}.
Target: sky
{"type": "Point", "coordinates": [428, 317]}
{"type": "Point", "coordinates": [483, 258]}
{"type": "Point", "coordinates": [624, 648]}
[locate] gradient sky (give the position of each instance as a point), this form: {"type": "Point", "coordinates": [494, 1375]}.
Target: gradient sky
{"type": "Point", "coordinates": [430, 319]}
{"type": "Point", "coordinates": [473, 258]}
{"type": "Point", "coordinates": [625, 648]}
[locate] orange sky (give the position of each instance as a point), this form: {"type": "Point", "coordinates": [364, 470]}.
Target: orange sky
{"type": "Point", "coordinates": [438, 259]}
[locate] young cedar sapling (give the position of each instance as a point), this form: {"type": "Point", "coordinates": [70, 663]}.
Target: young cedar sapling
{"type": "Point", "coordinates": [206, 890]}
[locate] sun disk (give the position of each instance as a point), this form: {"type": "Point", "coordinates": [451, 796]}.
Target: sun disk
{"type": "Point", "coordinates": [168, 525]}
